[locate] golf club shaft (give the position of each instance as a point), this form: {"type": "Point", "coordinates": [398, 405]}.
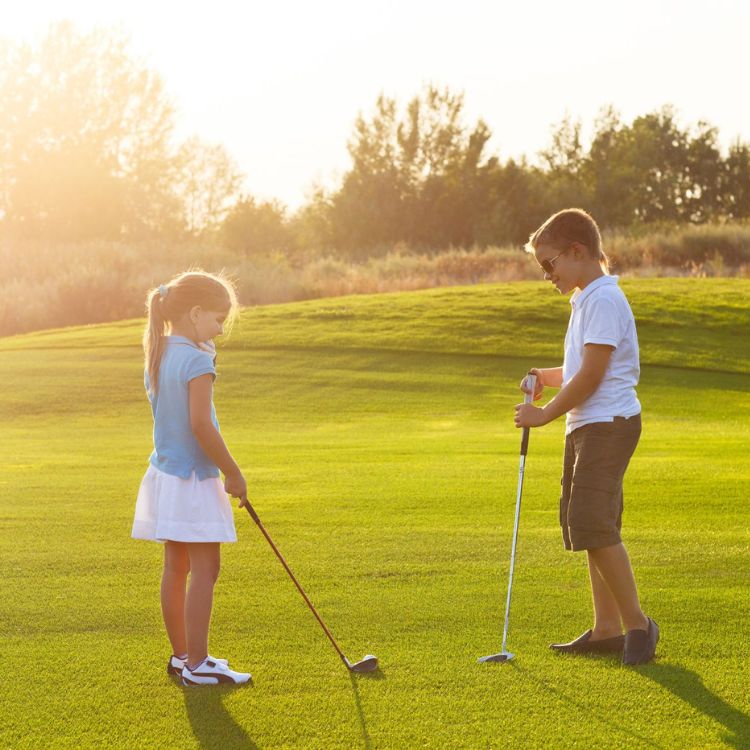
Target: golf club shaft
{"type": "Point", "coordinates": [528, 398]}
{"type": "Point", "coordinates": [513, 549]}
{"type": "Point", "coordinates": [255, 518]}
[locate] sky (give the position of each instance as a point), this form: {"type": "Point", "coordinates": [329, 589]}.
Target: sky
{"type": "Point", "coordinates": [280, 83]}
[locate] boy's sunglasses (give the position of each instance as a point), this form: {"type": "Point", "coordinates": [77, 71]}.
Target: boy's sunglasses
{"type": "Point", "coordinates": [548, 266]}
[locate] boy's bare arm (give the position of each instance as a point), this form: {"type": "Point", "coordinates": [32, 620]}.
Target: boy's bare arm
{"type": "Point", "coordinates": [550, 377]}
{"type": "Point", "coordinates": [583, 384]}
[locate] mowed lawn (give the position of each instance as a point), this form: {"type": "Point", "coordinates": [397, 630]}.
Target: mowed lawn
{"type": "Point", "coordinates": [377, 437]}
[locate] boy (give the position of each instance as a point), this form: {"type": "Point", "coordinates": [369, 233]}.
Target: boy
{"type": "Point", "coordinates": [603, 424]}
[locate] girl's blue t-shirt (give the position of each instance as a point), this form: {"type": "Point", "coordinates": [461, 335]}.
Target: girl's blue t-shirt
{"type": "Point", "coordinates": [176, 451]}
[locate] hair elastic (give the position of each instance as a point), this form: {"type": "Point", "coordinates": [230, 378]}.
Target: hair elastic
{"type": "Point", "coordinates": [163, 291]}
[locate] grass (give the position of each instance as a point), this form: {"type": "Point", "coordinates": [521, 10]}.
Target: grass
{"type": "Point", "coordinates": [378, 442]}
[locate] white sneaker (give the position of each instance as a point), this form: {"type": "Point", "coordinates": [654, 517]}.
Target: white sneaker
{"type": "Point", "coordinates": [175, 664]}
{"type": "Point", "coordinates": [212, 672]}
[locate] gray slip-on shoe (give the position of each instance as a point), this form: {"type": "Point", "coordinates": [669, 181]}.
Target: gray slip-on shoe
{"type": "Point", "coordinates": [640, 645]}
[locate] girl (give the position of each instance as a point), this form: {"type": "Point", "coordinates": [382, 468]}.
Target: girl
{"type": "Point", "coordinates": [182, 501]}
{"type": "Point", "coordinates": [597, 380]}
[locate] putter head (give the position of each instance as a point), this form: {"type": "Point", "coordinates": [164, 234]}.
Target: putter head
{"type": "Point", "coordinates": [367, 663]}
{"type": "Point", "coordinates": [502, 657]}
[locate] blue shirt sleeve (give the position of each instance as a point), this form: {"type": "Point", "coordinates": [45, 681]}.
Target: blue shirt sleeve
{"type": "Point", "coordinates": [199, 363]}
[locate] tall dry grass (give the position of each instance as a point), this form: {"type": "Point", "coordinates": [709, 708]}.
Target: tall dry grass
{"type": "Point", "coordinates": [48, 285]}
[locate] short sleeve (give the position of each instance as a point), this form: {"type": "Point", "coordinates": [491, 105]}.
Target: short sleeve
{"type": "Point", "coordinates": [199, 363]}
{"type": "Point", "coordinates": [604, 324]}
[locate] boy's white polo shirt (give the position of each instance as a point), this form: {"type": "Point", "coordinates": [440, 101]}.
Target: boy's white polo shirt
{"type": "Point", "coordinates": [600, 314]}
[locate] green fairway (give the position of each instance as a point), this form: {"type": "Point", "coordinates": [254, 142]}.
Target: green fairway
{"type": "Point", "coordinates": [379, 446]}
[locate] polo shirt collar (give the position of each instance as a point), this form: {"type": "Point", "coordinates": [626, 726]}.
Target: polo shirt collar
{"type": "Point", "coordinates": [181, 340]}
{"type": "Point", "coordinates": [580, 295]}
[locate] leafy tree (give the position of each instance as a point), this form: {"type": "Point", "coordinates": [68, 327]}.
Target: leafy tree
{"type": "Point", "coordinates": [312, 227]}
{"type": "Point", "coordinates": [609, 173]}
{"type": "Point", "coordinates": [86, 145]}
{"type": "Point", "coordinates": [518, 199]}
{"type": "Point", "coordinates": [254, 228]}
{"type": "Point", "coordinates": [736, 181]}
{"type": "Point", "coordinates": [653, 170]}
{"type": "Point", "coordinates": [207, 185]}
{"type": "Point", "coordinates": [413, 176]}
{"type": "Point", "coordinates": [84, 138]}
{"type": "Point", "coordinates": [566, 153]}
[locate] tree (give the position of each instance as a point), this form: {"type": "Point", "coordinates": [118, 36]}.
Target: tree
{"type": "Point", "coordinates": [253, 228]}
{"type": "Point", "coordinates": [312, 226]}
{"type": "Point", "coordinates": [413, 176]}
{"type": "Point", "coordinates": [86, 146]}
{"type": "Point", "coordinates": [566, 153]}
{"type": "Point", "coordinates": [653, 170]}
{"type": "Point", "coordinates": [609, 171]}
{"type": "Point", "coordinates": [518, 199]}
{"type": "Point", "coordinates": [207, 185]}
{"type": "Point", "coordinates": [736, 181]}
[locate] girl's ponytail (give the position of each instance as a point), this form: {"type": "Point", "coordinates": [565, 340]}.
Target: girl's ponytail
{"type": "Point", "coordinates": [153, 336]}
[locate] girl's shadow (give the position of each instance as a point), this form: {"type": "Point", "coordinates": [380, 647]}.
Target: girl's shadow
{"type": "Point", "coordinates": [212, 725]}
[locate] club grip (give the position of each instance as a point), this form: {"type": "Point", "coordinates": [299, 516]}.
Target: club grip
{"type": "Point", "coordinates": [530, 381]}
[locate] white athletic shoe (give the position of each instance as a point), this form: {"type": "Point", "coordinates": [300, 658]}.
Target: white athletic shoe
{"type": "Point", "coordinates": [212, 672]}
{"type": "Point", "coordinates": [175, 664]}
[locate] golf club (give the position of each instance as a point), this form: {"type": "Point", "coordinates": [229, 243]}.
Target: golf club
{"type": "Point", "coordinates": [505, 655]}
{"type": "Point", "coordinates": [367, 663]}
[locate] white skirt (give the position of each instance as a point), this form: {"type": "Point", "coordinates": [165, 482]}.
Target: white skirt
{"type": "Point", "coordinates": [170, 508]}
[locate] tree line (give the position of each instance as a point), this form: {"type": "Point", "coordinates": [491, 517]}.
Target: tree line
{"type": "Point", "coordinates": [87, 151]}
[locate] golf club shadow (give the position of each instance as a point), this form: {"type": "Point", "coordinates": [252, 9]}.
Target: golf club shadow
{"type": "Point", "coordinates": [375, 675]}
{"type": "Point", "coordinates": [213, 726]}
{"type": "Point", "coordinates": [688, 686]}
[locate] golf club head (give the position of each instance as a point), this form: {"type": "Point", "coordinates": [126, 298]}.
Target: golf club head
{"type": "Point", "coordinates": [502, 657]}
{"type": "Point", "coordinates": [367, 663]}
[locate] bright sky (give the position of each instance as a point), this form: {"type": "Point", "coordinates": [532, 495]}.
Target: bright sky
{"type": "Point", "coordinates": [279, 83]}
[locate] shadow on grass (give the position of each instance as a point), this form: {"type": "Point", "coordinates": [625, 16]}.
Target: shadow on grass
{"type": "Point", "coordinates": [212, 725]}
{"type": "Point", "coordinates": [688, 686]}
{"type": "Point", "coordinates": [376, 675]}
{"type": "Point", "coordinates": [683, 684]}
{"type": "Point", "coordinates": [585, 709]}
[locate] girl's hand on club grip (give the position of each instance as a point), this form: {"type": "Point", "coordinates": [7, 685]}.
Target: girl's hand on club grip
{"type": "Point", "coordinates": [236, 486]}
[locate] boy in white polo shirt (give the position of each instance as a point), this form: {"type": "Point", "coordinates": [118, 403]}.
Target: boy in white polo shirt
{"type": "Point", "coordinates": [603, 424]}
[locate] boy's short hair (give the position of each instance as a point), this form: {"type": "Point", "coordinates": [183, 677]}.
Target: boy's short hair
{"type": "Point", "coordinates": [567, 226]}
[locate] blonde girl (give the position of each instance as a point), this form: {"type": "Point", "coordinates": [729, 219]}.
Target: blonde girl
{"type": "Point", "coordinates": [182, 501]}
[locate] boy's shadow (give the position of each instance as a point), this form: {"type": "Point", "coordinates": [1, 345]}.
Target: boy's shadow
{"type": "Point", "coordinates": [689, 687]}
{"type": "Point", "coordinates": [685, 685]}
{"type": "Point", "coordinates": [212, 724]}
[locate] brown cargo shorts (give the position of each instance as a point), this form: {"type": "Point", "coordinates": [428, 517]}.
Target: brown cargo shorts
{"type": "Point", "coordinates": [591, 501]}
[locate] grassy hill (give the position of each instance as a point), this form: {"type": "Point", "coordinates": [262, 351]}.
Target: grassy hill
{"type": "Point", "coordinates": [378, 441]}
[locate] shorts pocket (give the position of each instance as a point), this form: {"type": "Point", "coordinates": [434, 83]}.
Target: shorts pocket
{"type": "Point", "coordinates": [594, 502]}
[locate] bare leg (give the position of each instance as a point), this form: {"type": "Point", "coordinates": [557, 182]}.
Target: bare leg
{"type": "Point", "coordinates": [173, 580]}
{"type": "Point", "coordinates": [613, 565]}
{"type": "Point", "coordinates": [205, 560]}
{"type": "Point", "coordinates": [606, 612]}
